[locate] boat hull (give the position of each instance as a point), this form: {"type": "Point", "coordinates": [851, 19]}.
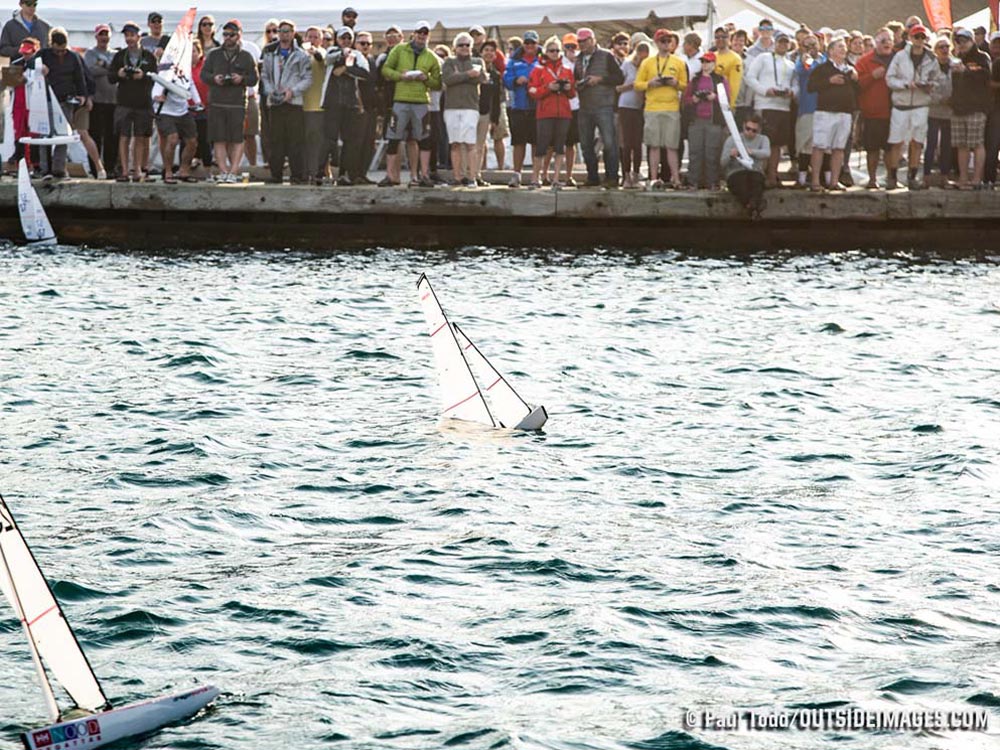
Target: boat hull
{"type": "Point", "coordinates": [97, 730]}
{"type": "Point", "coordinates": [535, 419]}
{"type": "Point", "coordinates": [170, 85]}
{"type": "Point", "coordinates": [52, 140]}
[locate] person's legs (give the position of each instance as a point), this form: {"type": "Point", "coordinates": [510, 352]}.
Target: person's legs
{"type": "Point", "coordinates": [963, 166]}
{"type": "Point", "coordinates": [836, 163]}
{"type": "Point", "coordinates": [413, 159]}
{"type": "Point", "coordinates": [673, 161]}
{"type": "Point", "coordinates": [654, 164]}
{"type": "Point", "coordinates": [978, 161]}
{"type": "Point", "coordinates": [457, 164]}
{"type": "Point", "coordinates": [588, 125]}
{"type": "Point", "coordinates": [697, 132]}
{"type": "Point", "coordinates": [168, 147]}
{"type": "Point", "coordinates": [235, 151]}
{"type": "Point", "coordinates": [221, 157]}
{"type": "Point", "coordinates": [916, 149]}
{"type": "Point", "coordinates": [816, 166]}
{"type": "Point", "coordinates": [609, 139]}
{"type": "Point", "coordinates": [188, 150]}
{"type": "Point", "coordinates": [279, 137]}
{"type": "Point", "coordinates": [713, 152]}
{"type": "Point", "coordinates": [425, 162]}
{"type": "Point", "coordinates": [123, 154]}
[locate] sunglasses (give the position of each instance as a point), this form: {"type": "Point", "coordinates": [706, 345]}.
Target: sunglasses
{"type": "Point", "coordinates": [554, 50]}
{"type": "Point", "coordinates": [570, 46]}
{"type": "Point", "coordinates": [533, 44]}
{"type": "Point", "coordinates": [618, 44]}
{"type": "Point", "coordinates": [369, 44]}
{"type": "Point", "coordinates": [271, 31]}
{"type": "Point", "coordinates": [286, 31]}
{"type": "Point", "coordinates": [208, 23]}
{"type": "Point", "coordinates": [228, 34]}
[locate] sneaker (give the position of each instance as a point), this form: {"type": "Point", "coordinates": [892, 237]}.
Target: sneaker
{"type": "Point", "coordinates": [344, 181]}
{"type": "Point", "coordinates": [386, 182]}
{"type": "Point", "coordinates": [426, 182]}
{"type": "Point", "coordinates": [611, 183]}
{"type": "Point", "coordinates": [570, 183]}
{"type": "Point", "coordinates": [891, 183]}
{"type": "Point", "coordinates": [515, 181]}
{"type": "Point", "coordinates": [232, 179]}
{"type": "Point", "coordinates": [362, 181]}
{"type": "Point", "coordinates": [480, 182]}
{"type": "Point", "coordinates": [466, 182]}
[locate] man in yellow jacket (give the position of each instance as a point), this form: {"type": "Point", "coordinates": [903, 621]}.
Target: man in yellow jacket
{"type": "Point", "coordinates": [663, 78]}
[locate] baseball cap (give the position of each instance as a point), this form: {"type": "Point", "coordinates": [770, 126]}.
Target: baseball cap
{"type": "Point", "coordinates": [765, 23]}
{"type": "Point", "coordinates": [825, 30]}
{"type": "Point", "coordinates": [422, 25]}
{"type": "Point", "coordinates": [584, 33]}
{"type": "Point", "coordinates": [233, 24]}
{"type": "Point", "coordinates": [477, 30]}
{"type": "Point", "coordinates": [708, 57]}
{"type": "Point", "coordinates": [531, 36]}
{"type": "Point", "coordinates": [394, 27]}
{"type": "Point", "coordinates": [778, 36]}
{"type": "Point", "coordinates": [348, 12]}
{"type": "Point", "coordinates": [661, 34]}
{"type": "Point", "coordinates": [345, 31]}
{"type": "Point", "coordinates": [102, 27]}
{"type": "Point", "coordinates": [131, 26]}
{"type": "Point", "coordinates": [570, 38]}
{"type": "Point", "coordinates": [918, 29]}
{"type": "Point", "coordinates": [153, 17]}
{"type": "Point", "coordinates": [961, 32]}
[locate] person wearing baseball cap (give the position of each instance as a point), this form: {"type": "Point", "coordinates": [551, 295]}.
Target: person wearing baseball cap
{"type": "Point", "coordinates": [102, 116]}
{"type": "Point", "coordinates": [150, 40]}
{"type": "Point", "coordinates": [912, 77]}
{"type": "Point", "coordinates": [663, 77]}
{"type": "Point", "coordinates": [971, 101]}
{"type": "Point", "coordinates": [598, 76]}
{"type": "Point", "coordinates": [705, 123]}
{"type": "Point", "coordinates": [771, 76]}
{"type": "Point", "coordinates": [130, 69]}
{"type": "Point", "coordinates": [349, 18]}
{"type": "Point", "coordinates": [523, 126]}
{"type": "Point", "coordinates": [25, 23]}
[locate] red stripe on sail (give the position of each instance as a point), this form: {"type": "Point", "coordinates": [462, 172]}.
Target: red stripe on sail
{"type": "Point", "coordinates": [493, 383]}
{"type": "Point", "coordinates": [455, 406]}
{"type": "Point", "coordinates": [42, 615]}
{"type": "Point", "coordinates": [425, 296]}
{"type": "Point", "coordinates": [439, 329]}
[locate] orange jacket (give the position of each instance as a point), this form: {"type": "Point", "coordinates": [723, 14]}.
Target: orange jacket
{"type": "Point", "coordinates": [551, 104]}
{"type": "Point", "coordinates": [874, 98]}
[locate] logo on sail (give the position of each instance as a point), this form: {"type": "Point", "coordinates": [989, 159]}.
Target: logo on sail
{"type": "Point", "coordinates": [67, 735]}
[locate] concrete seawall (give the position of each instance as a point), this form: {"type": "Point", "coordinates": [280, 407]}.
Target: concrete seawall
{"type": "Point", "coordinates": [155, 215]}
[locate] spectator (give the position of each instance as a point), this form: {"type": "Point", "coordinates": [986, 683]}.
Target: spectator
{"type": "Point", "coordinates": [980, 39]}
{"type": "Point", "coordinates": [386, 88]}
{"type": "Point", "coordinates": [313, 117]}
{"type": "Point", "coordinates": [939, 153]}
{"type": "Point", "coordinates": [286, 74]}
{"type": "Point", "coordinates": [619, 47]}
{"type": "Point", "coordinates": [204, 152]}
{"type": "Point", "coordinates": [349, 18]}
{"type": "Point", "coordinates": [228, 71]}
{"type": "Point", "coordinates": [462, 75]}
{"type": "Point", "coordinates": [836, 82]}
{"type": "Point", "coordinates": [747, 184]}
{"type": "Point", "coordinates": [807, 60]}
{"type": "Point", "coordinates": [102, 115]}
{"type": "Point", "coordinates": [692, 54]}
{"type": "Point", "coordinates": [24, 23]}
{"type": "Point", "coordinates": [64, 73]}
{"type": "Point", "coordinates": [415, 71]}
{"type": "Point", "coordinates": [663, 78]}
{"type": "Point", "coordinates": [706, 124]}
{"type": "Point", "coordinates": [440, 157]}
{"type": "Point", "coordinates": [342, 106]}
{"type": "Point", "coordinates": [993, 125]}
{"type": "Point", "coordinates": [874, 101]}
{"type": "Point", "coordinates": [552, 87]}
{"type": "Point", "coordinates": [176, 125]}
{"type": "Point", "coordinates": [27, 58]}
{"type": "Point", "coordinates": [254, 110]}
{"type": "Point", "coordinates": [368, 93]}
{"type": "Point", "coordinates": [597, 77]}
{"type": "Point", "coordinates": [150, 41]}
{"type": "Point", "coordinates": [522, 108]}
{"type": "Point", "coordinates": [911, 77]}
{"type": "Point", "coordinates": [133, 111]}
{"type": "Point", "coordinates": [971, 100]}
{"type": "Point", "coordinates": [492, 110]}
{"type": "Point", "coordinates": [206, 35]}
{"type": "Point", "coordinates": [771, 76]}
{"type": "Point", "coordinates": [728, 64]}
{"type": "Point", "coordinates": [630, 114]}
{"type": "Point", "coordinates": [571, 46]}
{"type": "Point", "coordinates": [252, 119]}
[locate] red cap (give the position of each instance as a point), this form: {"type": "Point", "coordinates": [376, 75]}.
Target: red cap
{"type": "Point", "coordinates": [584, 33]}
{"type": "Point", "coordinates": [233, 23]}
{"type": "Point", "coordinates": [918, 29]}
{"type": "Point", "coordinates": [708, 57]}
{"type": "Point", "coordinates": [102, 27]}
{"type": "Point", "coordinates": [661, 34]}
{"type": "Point", "coordinates": [27, 48]}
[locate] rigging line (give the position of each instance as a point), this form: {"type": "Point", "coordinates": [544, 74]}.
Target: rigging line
{"type": "Point", "coordinates": [499, 374]}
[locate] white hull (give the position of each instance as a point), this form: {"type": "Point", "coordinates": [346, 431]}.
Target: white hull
{"type": "Point", "coordinates": [97, 730]}
{"type": "Point", "coordinates": [534, 420]}
{"type": "Point", "coordinates": [171, 85]}
{"type": "Point", "coordinates": [55, 140]}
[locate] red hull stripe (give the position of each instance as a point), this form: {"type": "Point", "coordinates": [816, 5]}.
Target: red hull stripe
{"type": "Point", "coordinates": [41, 615]}
{"type": "Point", "coordinates": [455, 406]}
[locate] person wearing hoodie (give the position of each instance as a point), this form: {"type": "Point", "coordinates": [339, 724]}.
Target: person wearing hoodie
{"type": "Point", "coordinates": [874, 101]}
{"type": "Point", "coordinates": [516, 76]}
{"type": "Point", "coordinates": [911, 77]}
{"type": "Point", "coordinates": [286, 74]}
{"type": "Point", "coordinates": [971, 100]}
{"type": "Point", "coordinates": [552, 87]}
{"type": "Point", "coordinates": [836, 82]}
{"type": "Point", "coordinates": [344, 124]}
{"type": "Point", "coordinates": [462, 76]}
{"type": "Point", "coordinates": [771, 76]}
{"type": "Point", "coordinates": [25, 23]}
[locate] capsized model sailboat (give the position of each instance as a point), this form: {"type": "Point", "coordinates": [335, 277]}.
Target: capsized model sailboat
{"type": "Point", "coordinates": [56, 652]}
{"type": "Point", "coordinates": [34, 222]}
{"type": "Point", "coordinates": [175, 65]}
{"type": "Point", "coordinates": [727, 115]}
{"type": "Point", "coordinates": [459, 361]}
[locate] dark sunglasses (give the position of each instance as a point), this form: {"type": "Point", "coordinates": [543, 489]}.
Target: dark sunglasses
{"type": "Point", "coordinates": [526, 43]}
{"type": "Point", "coordinates": [369, 44]}
{"type": "Point", "coordinates": [570, 46]}
{"type": "Point", "coordinates": [286, 31]}
{"type": "Point", "coordinates": [228, 33]}
{"type": "Point", "coordinates": [208, 23]}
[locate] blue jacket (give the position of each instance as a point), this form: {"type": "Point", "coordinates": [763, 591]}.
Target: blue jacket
{"type": "Point", "coordinates": [808, 100]}
{"type": "Point", "coordinates": [517, 67]}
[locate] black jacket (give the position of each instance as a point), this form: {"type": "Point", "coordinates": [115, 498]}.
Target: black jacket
{"type": "Point", "coordinates": [603, 64]}
{"type": "Point", "coordinates": [970, 89]}
{"type": "Point", "coordinates": [833, 97]}
{"type": "Point", "coordinates": [134, 93]}
{"type": "Point", "coordinates": [67, 74]}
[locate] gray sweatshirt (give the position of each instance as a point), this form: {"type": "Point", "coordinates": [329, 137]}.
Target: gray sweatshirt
{"type": "Point", "coordinates": [759, 148]}
{"type": "Point", "coordinates": [99, 66]}
{"type": "Point", "coordinates": [463, 92]}
{"type": "Point", "coordinates": [293, 73]}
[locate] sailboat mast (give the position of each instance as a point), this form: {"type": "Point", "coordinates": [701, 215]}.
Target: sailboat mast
{"type": "Point", "coordinates": [43, 678]}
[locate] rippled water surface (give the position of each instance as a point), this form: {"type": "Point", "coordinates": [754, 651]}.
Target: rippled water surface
{"type": "Point", "coordinates": [764, 485]}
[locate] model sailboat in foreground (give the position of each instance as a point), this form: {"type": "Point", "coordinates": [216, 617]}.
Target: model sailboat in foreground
{"type": "Point", "coordinates": [490, 400]}
{"type": "Point", "coordinates": [34, 221]}
{"type": "Point", "coordinates": [91, 721]}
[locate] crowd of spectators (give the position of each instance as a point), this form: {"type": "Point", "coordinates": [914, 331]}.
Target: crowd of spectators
{"type": "Point", "coordinates": [924, 106]}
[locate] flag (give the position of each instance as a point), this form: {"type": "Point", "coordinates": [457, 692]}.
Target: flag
{"type": "Point", "coordinates": [939, 13]}
{"type": "Point", "coordinates": [994, 12]}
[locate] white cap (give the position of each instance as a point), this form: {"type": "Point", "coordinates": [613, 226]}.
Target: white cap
{"type": "Point", "coordinates": [422, 25]}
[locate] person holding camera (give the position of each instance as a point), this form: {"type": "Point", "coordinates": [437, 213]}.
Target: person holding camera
{"type": "Point", "coordinates": [462, 76]}
{"type": "Point", "coordinates": [102, 117]}
{"type": "Point", "coordinates": [912, 76]}
{"type": "Point", "coordinates": [228, 71]}
{"type": "Point", "coordinates": [598, 76]}
{"type": "Point", "coordinates": [286, 76]}
{"type": "Point", "coordinates": [771, 75]}
{"type": "Point", "coordinates": [64, 73]}
{"type": "Point", "coordinates": [342, 103]}
{"type": "Point", "coordinates": [552, 85]}
{"type": "Point", "coordinates": [706, 124]}
{"type": "Point", "coordinates": [663, 77]}
{"type": "Point", "coordinates": [130, 69]}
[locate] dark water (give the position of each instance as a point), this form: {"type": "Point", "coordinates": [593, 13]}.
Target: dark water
{"type": "Point", "coordinates": [764, 485]}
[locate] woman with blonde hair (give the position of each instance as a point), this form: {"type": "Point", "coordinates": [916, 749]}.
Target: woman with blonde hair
{"type": "Point", "coordinates": [630, 115]}
{"type": "Point", "coordinates": [552, 86]}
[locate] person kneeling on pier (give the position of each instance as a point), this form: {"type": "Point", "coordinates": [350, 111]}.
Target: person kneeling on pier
{"type": "Point", "coordinates": [747, 184]}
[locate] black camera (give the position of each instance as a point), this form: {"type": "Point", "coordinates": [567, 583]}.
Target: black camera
{"type": "Point", "coordinates": [782, 92]}
{"type": "Point", "coordinates": [563, 84]}
{"type": "Point", "coordinates": [227, 79]}
{"type": "Point", "coordinates": [276, 98]}
{"type": "Point", "coordinates": [130, 70]}
{"type": "Point", "coordinates": [667, 80]}
{"type": "Point", "coordinates": [701, 95]}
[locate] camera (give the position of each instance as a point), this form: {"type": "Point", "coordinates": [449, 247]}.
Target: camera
{"type": "Point", "coordinates": [275, 98]}
{"type": "Point", "coordinates": [130, 70]}
{"type": "Point", "coordinates": [667, 80]}
{"type": "Point", "coordinates": [701, 95]}
{"type": "Point", "coordinates": [227, 79]}
{"type": "Point", "coordinates": [782, 92]}
{"type": "Point", "coordinates": [563, 84]}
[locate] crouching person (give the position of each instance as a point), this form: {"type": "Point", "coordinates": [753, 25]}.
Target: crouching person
{"type": "Point", "coordinates": [746, 182]}
{"type": "Point", "coordinates": [176, 125]}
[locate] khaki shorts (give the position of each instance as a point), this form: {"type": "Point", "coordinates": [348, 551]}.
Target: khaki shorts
{"type": "Point", "coordinates": [662, 130]}
{"type": "Point", "coordinates": [804, 134]}
{"type": "Point", "coordinates": [81, 119]}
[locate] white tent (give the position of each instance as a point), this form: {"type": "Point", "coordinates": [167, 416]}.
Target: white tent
{"type": "Point", "coordinates": [746, 14]}
{"type": "Point", "coordinates": [979, 18]}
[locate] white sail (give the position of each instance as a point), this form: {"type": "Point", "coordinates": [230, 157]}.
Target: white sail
{"type": "Point", "coordinates": [60, 125]}
{"type": "Point", "coordinates": [38, 102]}
{"type": "Point", "coordinates": [7, 149]}
{"type": "Point", "coordinates": [508, 408]}
{"type": "Point", "coordinates": [174, 69]}
{"type": "Point", "coordinates": [48, 631]}
{"type": "Point", "coordinates": [34, 222]}
{"type": "Point", "coordinates": [460, 394]}
{"type": "Point", "coordinates": [727, 115]}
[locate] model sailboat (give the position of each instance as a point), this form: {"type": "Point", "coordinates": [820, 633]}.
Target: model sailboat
{"type": "Point", "coordinates": [39, 106]}
{"type": "Point", "coordinates": [34, 222]}
{"type": "Point", "coordinates": [57, 652]}
{"type": "Point", "coordinates": [734, 131]}
{"type": "Point", "coordinates": [496, 404]}
{"type": "Point", "coordinates": [175, 65]}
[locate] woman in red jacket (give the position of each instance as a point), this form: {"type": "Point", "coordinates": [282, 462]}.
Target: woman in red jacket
{"type": "Point", "coordinates": [551, 85]}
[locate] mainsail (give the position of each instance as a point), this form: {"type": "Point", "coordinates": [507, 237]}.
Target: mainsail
{"type": "Point", "coordinates": [60, 125]}
{"type": "Point", "coordinates": [38, 102]}
{"type": "Point", "coordinates": [34, 222]}
{"type": "Point", "coordinates": [8, 147]}
{"type": "Point", "coordinates": [175, 64]}
{"type": "Point", "coordinates": [460, 394]}
{"type": "Point", "coordinates": [508, 407]}
{"type": "Point", "coordinates": [49, 634]}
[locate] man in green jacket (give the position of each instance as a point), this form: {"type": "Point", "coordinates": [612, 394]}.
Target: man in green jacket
{"type": "Point", "coordinates": [416, 71]}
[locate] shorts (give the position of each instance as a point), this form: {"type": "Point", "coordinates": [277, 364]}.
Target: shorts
{"type": "Point", "coordinates": [81, 119]}
{"type": "Point", "coordinates": [874, 134]}
{"type": "Point", "coordinates": [831, 130]}
{"type": "Point", "coordinates": [778, 127]}
{"type": "Point", "coordinates": [409, 122]}
{"type": "Point", "coordinates": [662, 129]}
{"type": "Point", "coordinates": [968, 131]}
{"type": "Point", "coordinates": [552, 133]}
{"type": "Point", "coordinates": [804, 133]}
{"type": "Point", "coordinates": [908, 125]}
{"type": "Point", "coordinates": [462, 125]}
{"type": "Point", "coordinates": [183, 126]}
{"type": "Point", "coordinates": [225, 124]}
{"type": "Point", "coordinates": [522, 127]}
{"type": "Point", "coordinates": [251, 125]}
{"type": "Point", "coordinates": [136, 122]}
{"type": "Point", "coordinates": [573, 136]}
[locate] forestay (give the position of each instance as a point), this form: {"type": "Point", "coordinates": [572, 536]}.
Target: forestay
{"type": "Point", "coordinates": [34, 222]}
{"type": "Point", "coordinates": [461, 397]}
{"type": "Point", "coordinates": [508, 407]}
{"type": "Point", "coordinates": [49, 633]}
